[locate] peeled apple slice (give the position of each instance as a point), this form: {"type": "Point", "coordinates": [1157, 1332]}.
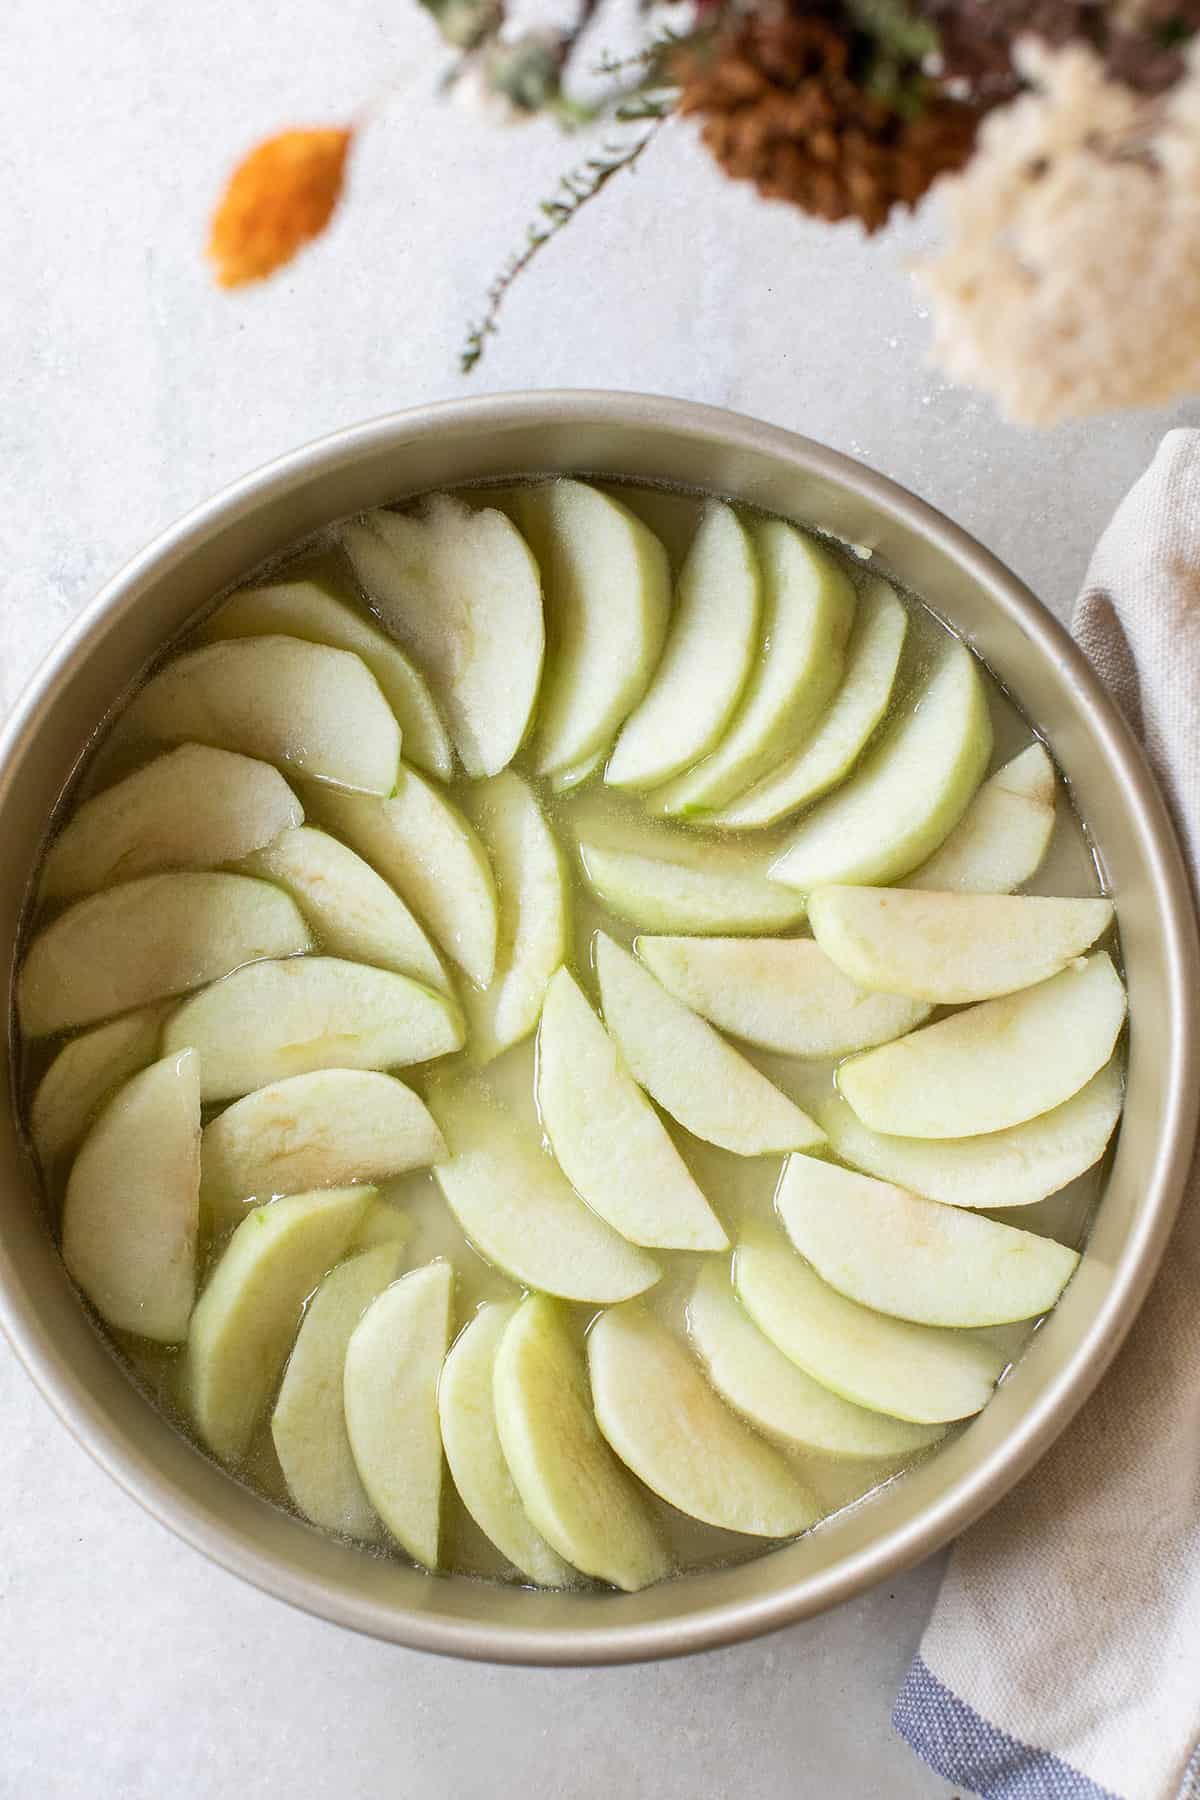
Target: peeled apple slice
{"type": "Point", "coordinates": [326, 1129]}
{"type": "Point", "coordinates": [951, 948]}
{"type": "Point", "coordinates": [1002, 838]}
{"type": "Point", "coordinates": [914, 1372]}
{"type": "Point", "coordinates": [779, 993]}
{"type": "Point", "coordinates": [467, 1409]}
{"type": "Point", "coordinates": [916, 1259]}
{"type": "Point", "coordinates": [565, 781]}
{"type": "Point", "coordinates": [249, 1313]}
{"type": "Point", "coordinates": [148, 939]}
{"type": "Point", "coordinates": [724, 890]}
{"type": "Point", "coordinates": [459, 588]}
{"type": "Point", "coordinates": [611, 1144]}
{"type": "Point", "coordinates": [995, 1064]}
{"type": "Point", "coordinates": [711, 646]}
{"type": "Point", "coordinates": [390, 1384]}
{"type": "Point", "coordinates": [689, 1069]}
{"type": "Point", "coordinates": [192, 808]}
{"type": "Point", "coordinates": [132, 1206]}
{"type": "Point", "coordinates": [309, 609]}
{"type": "Point", "coordinates": [320, 712]}
{"type": "Point", "coordinates": [276, 1019]}
{"type": "Point", "coordinates": [309, 1421]}
{"type": "Point", "coordinates": [666, 1424]}
{"type": "Point", "coordinates": [908, 793]}
{"type": "Point", "coordinates": [84, 1074]}
{"type": "Point", "coordinates": [759, 1382]}
{"type": "Point", "coordinates": [571, 1485]}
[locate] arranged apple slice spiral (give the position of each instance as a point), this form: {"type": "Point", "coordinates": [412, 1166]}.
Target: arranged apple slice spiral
{"type": "Point", "coordinates": [479, 1010]}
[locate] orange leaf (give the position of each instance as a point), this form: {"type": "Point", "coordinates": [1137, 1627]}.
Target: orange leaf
{"type": "Point", "coordinates": [278, 198]}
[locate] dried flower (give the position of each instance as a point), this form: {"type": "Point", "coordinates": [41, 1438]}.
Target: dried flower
{"type": "Point", "coordinates": [1140, 41]}
{"type": "Point", "coordinates": [278, 198]}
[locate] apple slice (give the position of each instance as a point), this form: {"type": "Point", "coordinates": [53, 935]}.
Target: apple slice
{"type": "Point", "coordinates": [467, 1411]}
{"type": "Point", "coordinates": [352, 910]}
{"type": "Point", "coordinates": [308, 1424]}
{"type": "Point", "coordinates": [612, 1145]}
{"type": "Point", "coordinates": [534, 914]}
{"type": "Point", "coordinates": [276, 1019]}
{"type": "Point", "coordinates": [994, 1064]}
{"type": "Point", "coordinates": [427, 851]}
{"type": "Point", "coordinates": [1002, 838]}
{"type": "Point", "coordinates": [311, 610]}
{"type": "Point", "coordinates": [1016, 1167]}
{"type": "Point", "coordinates": [148, 939]}
{"type": "Point", "coordinates": [759, 1382]}
{"type": "Point", "coordinates": [951, 948]}
{"type": "Point", "coordinates": [779, 993]}
{"type": "Point", "coordinates": [908, 793]}
{"type": "Point", "coordinates": [521, 1213]}
{"type": "Point", "coordinates": [808, 610]}
{"type": "Point", "coordinates": [190, 809]}
{"type": "Point", "coordinates": [384, 1225]}
{"type": "Point", "coordinates": [84, 1074]}
{"type": "Point", "coordinates": [461, 591]}
{"type": "Point", "coordinates": [246, 1318]}
{"type": "Point", "coordinates": [715, 889]}
{"type": "Point", "coordinates": [826, 757]}
{"type": "Point", "coordinates": [608, 595]}
{"type": "Point", "coordinates": [318, 711]}
{"type": "Point", "coordinates": [326, 1129]}
{"type": "Point", "coordinates": [565, 781]}
{"type": "Point", "coordinates": [689, 1069]}
{"type": "Point", "coordinates": [916, 1259]}
{"type": "Point", "coordinates": [131, 1212]}
{"type": "Point", "coordinates": [390, 1384]}
{"type": "Point", "coordinates": [914, 1372]}
{"type": "Point", "coordinates": [571, 1485]}
{"type": "Point", "coordinates": [711, 647]}
{"type": "Point", "coordinates": [666, 1424]}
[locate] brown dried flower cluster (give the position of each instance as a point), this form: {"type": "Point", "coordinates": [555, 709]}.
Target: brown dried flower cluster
{"type": "Point", "coordinates": [278, 198]}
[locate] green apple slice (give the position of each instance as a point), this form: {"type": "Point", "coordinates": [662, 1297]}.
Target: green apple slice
{"type": "Point", "coordinates": [326, 1129]}
{"type": "Point", "coordinates": [148, 939]}
{"type": "Point", "coordinates": [309, 609]}
{"type": "Point", "coordinates": [913, 1258]}
{"type": "Point", "coordinates": [779, 993]}
{"type": "Point", "coordinates": [840, 737]}
{"type": "Point", "coordinates": [666, 1424]}
{"type": "Point", "coordinates": [84, 1074]}
{"type": "Point", "coordinates": [390, 1385]}
{"type": "Point", "coordinates": [565, 781]}
{"type": "Point", "coordinates": [384, 1225]}
{"type": "Point", "coordinates": [352, 910]}
{"type": "Point", "coordinates": [908, 793]}
{"type": "Point", "coordinates": [608, 596]}
{"type": "Point", "coordinates": [427, 851]}
{"type": "Point", "coordinates": [276, 1019]}
{"type": "Point", "coordinates": [459, 588]}
{"type": "Point", "coordinates": [689, 1069]}
{"type": "Point", "coordinates": [1016, 1167]}
{"type": "Point", "coordinates": [759, 1382]}
{"type": "Point", "coordinates": [467, 1408]}
{"type": "Point", "coordinates": [710, 650]}
{"type": "Point", "coordinates": [951, 948]}
{"type": "Point", "coordinates": [193, 808]}
{"type": "Point", "coordinates": [571, 1485]}
{"type": "Point", "coordinates": [318, 711]}
{"type": "Point", "coordinates": [808, 610]}
{"type": "Point", "coordinates": [518, 1209]}
{"type": "Point", "coordinates": [131, 1212]}
{"type": "Point", "coordinates": [1002, 838]}
{"type": "Point", "coordinates": [308, 1424]}
{"type": "Point", "coordinates": [534, 914]}
{"type": "Point", "coordinates": [719, 889]}
{"type": "Point", "coordinates": [246, 1318]}
{"type": "Point", "coordinates": [915, 1372]}
{"type": "Point", "coordinates": [610, 1142]}
{"type": "Point", "coordinates": [995, 1064]}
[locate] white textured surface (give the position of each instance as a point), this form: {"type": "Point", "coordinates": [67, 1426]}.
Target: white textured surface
{"type": "Point", "coordinates": [129, 389]}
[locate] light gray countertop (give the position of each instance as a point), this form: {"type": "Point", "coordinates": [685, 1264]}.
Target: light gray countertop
{"type": "Point", "coordinates": [130, 389]}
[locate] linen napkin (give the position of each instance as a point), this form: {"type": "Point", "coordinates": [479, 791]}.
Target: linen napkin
{"type": "Point", "coordinates": [1062, 1661]}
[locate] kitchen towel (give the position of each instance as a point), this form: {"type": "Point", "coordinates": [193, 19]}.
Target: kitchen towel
{"type": "Point", "coordinates": [1062, 1661]}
